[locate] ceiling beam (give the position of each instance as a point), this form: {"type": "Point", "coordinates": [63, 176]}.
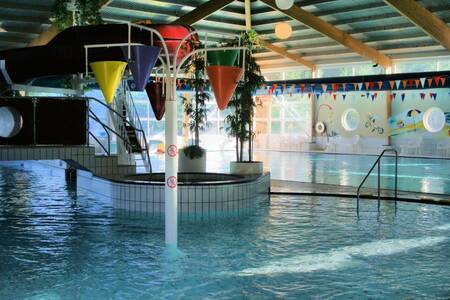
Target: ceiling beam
{"type": "Point", "coordinates": [283, 52]}
{"type": "Point", "coordinates": [310, 20]}
{"type": "Point", "coordinates": [52, 31]}
{"type": "Point", "coordinates": [202, 12]}
{"type": "Point", "coordinates": [424, 19]}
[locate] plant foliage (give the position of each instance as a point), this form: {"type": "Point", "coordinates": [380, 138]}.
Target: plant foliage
{"type": "Point", "coordinates": [86, 12]}
{"type": "Point", "coordinates": [240, 121]}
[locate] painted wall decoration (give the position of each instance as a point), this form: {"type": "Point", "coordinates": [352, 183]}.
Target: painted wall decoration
{"type": "Point", "coordinates": [406, 121]}
{"type": "Point", "coordinates": [374, 124]}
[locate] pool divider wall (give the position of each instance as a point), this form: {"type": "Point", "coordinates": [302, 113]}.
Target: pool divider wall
{"type": "Point", "coordinates": [198, 201]}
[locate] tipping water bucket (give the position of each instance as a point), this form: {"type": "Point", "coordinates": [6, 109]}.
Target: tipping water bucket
{"type": "Point", "coordinates": [222, 57]}
{"type": "Point", "coordinates": [108, 75]}
{"type": "Point", "coordinates": [157, 100]}
{"type": "Point", "coordinates": [224, 80]}
{"type": "Point", "coordinates": [143, 59]}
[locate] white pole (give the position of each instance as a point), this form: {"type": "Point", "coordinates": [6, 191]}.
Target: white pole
{"type": "Point", "coordinates": [171, 169]}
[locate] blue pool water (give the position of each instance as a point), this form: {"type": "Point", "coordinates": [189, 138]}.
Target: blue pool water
{"type": "Point", "coordinates": [56, 243]}
{"type": "Point", "coordinates": [425, 175]}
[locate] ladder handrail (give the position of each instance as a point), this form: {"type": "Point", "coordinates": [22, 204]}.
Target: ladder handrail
{"type": "Point", "coordinates": [377, 162]}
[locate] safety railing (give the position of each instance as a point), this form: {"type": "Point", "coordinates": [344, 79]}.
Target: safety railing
{"type": "Point", "coordinates": [133, 118]}
{"type": "Point", "coordinates": [378, 163]}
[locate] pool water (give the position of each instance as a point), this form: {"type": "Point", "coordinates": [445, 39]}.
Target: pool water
{"type": "Point", "coordinates": [426, 175]}
{"type": "Point", "coordinates": [57, 243]}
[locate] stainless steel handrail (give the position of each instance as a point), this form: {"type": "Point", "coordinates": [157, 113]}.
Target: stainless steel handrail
{"type": "Point", "coordinates": [377, 163]}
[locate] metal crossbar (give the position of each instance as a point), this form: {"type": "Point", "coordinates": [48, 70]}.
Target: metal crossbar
{"type": "Point", "coordinates": [378, 163]}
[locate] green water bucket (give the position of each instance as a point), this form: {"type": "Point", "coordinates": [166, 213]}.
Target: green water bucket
{"type": "Point", "coordinates": [222, 57]}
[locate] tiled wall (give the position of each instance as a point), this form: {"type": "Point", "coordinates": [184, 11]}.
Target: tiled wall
{"type": "Point", "coordinates": [194, 201]}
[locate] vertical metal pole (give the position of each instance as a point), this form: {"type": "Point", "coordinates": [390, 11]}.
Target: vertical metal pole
{"type": "Point", "coordinates": [379, 162]}
{"type": "Point", "coordinates": [396, 173]}
{"type": "Point", "coordinates": [171, 162]}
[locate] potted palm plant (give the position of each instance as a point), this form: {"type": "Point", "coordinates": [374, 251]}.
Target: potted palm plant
{"type": "Point", "coordinates": [193, 157]}
{"type": "Point", "coordinates": [240, 120]}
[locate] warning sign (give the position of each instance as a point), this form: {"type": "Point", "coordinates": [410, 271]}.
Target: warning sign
{"type": "Point", "coordinates": [172, 182]}
{"type": "Point", "coordinates": [172, 150]}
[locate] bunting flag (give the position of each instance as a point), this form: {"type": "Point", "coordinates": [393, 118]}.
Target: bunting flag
{"type": "Point", "coordinates": [403, 97]}
{"type": "Point", "coordinates": [179, 83]}
{"type": "Point", "coordinates": [436, 80]}
{"type": "Point", "coordinates": [343, 97]}
{"type": "Point", "coordinates": [367, 95]}
{"type": "Point", "coordinates": [283, 87]}
{"type": "Point", "coordinates": [422, 82]}
{"type": "Point", "coordinates": [309, 95]}
{"type": "Point", "coordinates": [410, 83]}
{"type": "Point", "coordinates": [392, 84]}
{"type": "Point", "coordinates": [360, 86]}
{"type": "Point", "coordinates": [302, 88]}
{"type": "Point", "coordinates": [372, 85]}
{"type": "Point", "coordinates": [433, 96]}
{"type": "Point", "coordinates": [405, 82]}
{"type": "Point", "coordinates": [422, 96]}
{"type": "Point", "coordinates": [334, 97]}
{"type": "Point", "coordinates": [344, 87]}
{"type": "Point", "coordinates": [393, 95]}
{"type": "Point", "coordinates": [373, 97]}
{"type": "Point", "coordinates": [367, 84]}
{"type": "Point", "coordinates": [430, 81]}
{"type": "Point", "coordinates": [317, 95]}
{"type": "Point", "coordinates": [334, 86]}
{"type": "Point", "coordinates": [355, 86]}
{"type": "Point", "coordinates": [324, 87]}
{"type": "Point", "coordinates": [443, 81]}
{"type": "Point", "coordinates": [380, 85]}
{"type": "Point", "coordinates": [417, 82]}
{"type": "Point", "coordinates": [397, 84]}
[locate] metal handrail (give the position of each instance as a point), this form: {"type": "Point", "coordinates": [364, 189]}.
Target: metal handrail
{"type": "Point", "coordinates": [101, 145]}
{"type": "Point", "coordinates": [377, 162]}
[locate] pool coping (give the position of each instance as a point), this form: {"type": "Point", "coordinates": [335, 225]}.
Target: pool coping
{"type": "Point", "coordinates": [286, 187]}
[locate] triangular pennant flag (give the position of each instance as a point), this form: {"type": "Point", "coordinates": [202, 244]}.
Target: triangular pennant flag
{"type": "Point", "coordinates": [224, 80]}
{"type": "Point", "coordinates": [376, 95]}
{"type": "Point", "coordinates": [344, 87]}
{"type": "Point", "coordinates": [422, 96]}
{"type": "Point", "coordinates": [373, 97]}
{"type": "Point", "coordinates": [334, 97]}
{"type": "Point", "coordinates": [422, 82]}
{"type": "Point", "coordinates": [433, 96]}
{"type": "Point", "coordinates": [343, 96]}
{"type": "Point", "coordinates": [430, 81]}
{"type": "Point", "coordinates": [380, 84]}
{"type": "Point", "coordinates": [410, 83]}
{"type": "Point", "coordinates": [302, 88]}
{"type": "Point", "coordinates": [355, 86]}
{"type": "Point", "coordinates": [397, 84]}
{"type": "Point", "coordinates": [372, 85]}
{"type": "Point", "coordinates": [317, 95]}
{"type": "Point", "coordinates": [403, 97]}
{"type": "Point", "coordinates": [324, 87]}
{"type": "Point", "coordinates": [367, 84]}
{"type": "Point", "coordinates": [392, 84]}
{"type": "Point", "coordinates": [393, 95]}
{"type": "Point", "coordinates": [309, 95]}
{"type": "Point", "coordinates": [417, 82]}
{"type": "Point", "coordinates": [108, 75]}
{"type": "Point", "coordinates": [405, 83]}
{"type": "Point", "coordinates": [283, 87]}
{"type": "Point", "coordinates": [360, 86]}
{"type": "Point", "coordinates": [436, 80]}
{"type": "Point", "coordinates": [367, 95]}
{"type": "Point", "coordinates": [443, 81]}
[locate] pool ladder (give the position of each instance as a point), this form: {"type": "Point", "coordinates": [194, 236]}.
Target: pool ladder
{"type": "Point", "coordinates": [378, 163]}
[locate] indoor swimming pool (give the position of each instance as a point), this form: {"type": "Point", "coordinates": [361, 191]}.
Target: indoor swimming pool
{"type": "Point", "coordinates": [56, 243]}
{"type": "Point", "coordinates": [426, 175]}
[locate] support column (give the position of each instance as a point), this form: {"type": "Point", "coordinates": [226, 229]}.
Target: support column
{"type": "Point", "coordinates": [388, 115]}
{"type": "Point", "coordinates": [171, 167]}
{"type": "Point", "coordinates": [248, 15]}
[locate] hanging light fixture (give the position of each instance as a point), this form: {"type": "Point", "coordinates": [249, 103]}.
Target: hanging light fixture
{"type": "Point", "coordinates": [284, 4]}
{"type": "Point", "coordinates": [283, 30]}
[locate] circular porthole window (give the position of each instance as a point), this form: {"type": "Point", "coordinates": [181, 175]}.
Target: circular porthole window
{"type": "Point", "coordinates": [11, 122]}
{"type": "Point", "coordinates": [350, 119]}
{"type": "Point", "coordinates": [434, 119]}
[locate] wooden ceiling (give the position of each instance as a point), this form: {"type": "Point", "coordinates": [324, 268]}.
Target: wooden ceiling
{"type": "Point", "coordinates": [324, 31]}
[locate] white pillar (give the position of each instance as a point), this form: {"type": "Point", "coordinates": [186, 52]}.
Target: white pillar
{"type": "Point", "coordinates": [171, 169]}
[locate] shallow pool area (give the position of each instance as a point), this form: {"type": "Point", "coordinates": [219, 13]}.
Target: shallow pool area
{"type": "Point", "coordinates": [56, 243]}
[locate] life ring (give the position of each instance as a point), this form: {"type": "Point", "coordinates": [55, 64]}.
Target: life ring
{"type": "Point", "coordinates": [320, 127]}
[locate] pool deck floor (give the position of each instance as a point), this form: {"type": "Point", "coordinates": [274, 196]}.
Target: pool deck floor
{"type": "Point", "coordinates": [285, 187]}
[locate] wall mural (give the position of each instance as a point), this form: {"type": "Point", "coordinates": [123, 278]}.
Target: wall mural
{"type": "Point", "coordinates": [373, 124]}
{"type": "Point", "coordinates": [406, 121]}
